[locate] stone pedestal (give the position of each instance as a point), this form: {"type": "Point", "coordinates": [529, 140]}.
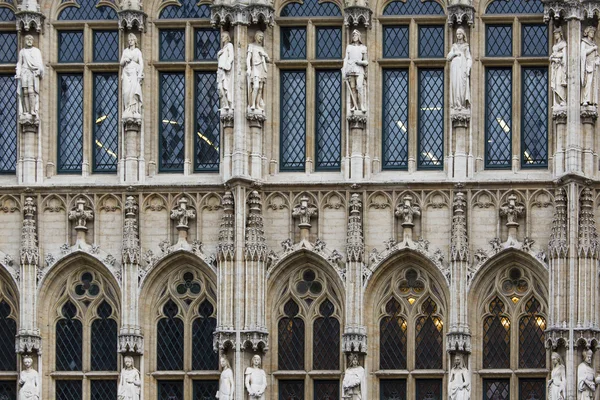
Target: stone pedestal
{"type": "Point", "coordinates": [132, 131]}
{"type": "Point", "coordinates": [256, 122]}
{"type": "Point", "coordinates": [227, 119]}
{"type": "Point", "coordinates": [358, 122]}
{"type": "Point", "coordinates": [589, 115]}
{"type": "Point", "coordinates": [559, 115]}
{"type": "Point", "coordinates": [460, 157]}
{"type": "Point", "coordinates": [29, 150]}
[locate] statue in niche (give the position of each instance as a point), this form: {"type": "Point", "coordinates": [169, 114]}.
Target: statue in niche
{"type": "Point", "coordinates": [589, 67]}
{"type": "Point", "coordinates": [133, 74]}
{"type": "Point", "coordinates": [586, 379]}
{"type": "Point", "coordinates": [354, 384]}
{"type": "Point", "coordinates": [459, 383]}
{"type": "Point", "coordinates": [256, 71]}
{"type": "Point", "coordinates": [226, 382]}
{"type": "Point", "coordinates": [29, 382]}
{"type": "Point", "coordinates": [460, 72]}
{"type": "Point", "coordinates": [129, 382]}
{"type": "Point", "coordinates": [557, 385]}
{"type": "Point", "coordinates": [558, 58]}
{"type": "Point", "coordinates": [224, 73]}
{"type": "Point", "coordinates": [256, 380]}
{"type": "Point", "coordinates": [30, 69]}
{"type": "Point", "coordinates": [354, 71]}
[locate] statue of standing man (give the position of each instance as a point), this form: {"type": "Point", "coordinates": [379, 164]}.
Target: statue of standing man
{"type": "Point", "coordinates": [256, 71]}
{"type": "Point", "coordinates": [30, 69]}
{"type": "Point", "coordinates": [354, 72]}
{"type": "Point", "coordinates": [586, 377]}
{"type": "Point", "coordinates": [224, 71]}
{"type": "Point", "coordinates": [256, 380]}
{"type": "Point", "coordinates": [589, 67]}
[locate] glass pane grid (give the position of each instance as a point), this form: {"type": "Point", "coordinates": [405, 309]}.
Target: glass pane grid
{"type": "Point", "coordinates": [169, 346]}
{"type": "Point", "coordinates": [170, 390]}
{"type": "Point", "coordinates": [498, 118]}
{"type": "Point", "coordinates": [172, 45]}
{"type": "Point", "coordinates": [328, 120]}
{"type": "Point", "coordinates": [498, 41]}
{"type": "Point", "coordinates": [208, 123]}
{"type": "Point", "coordinates": [103, 389]}
{"type": "Point", "coordinates": [395, 119]}
{"type": "Point", "coordinates": [106, 124]}
{"type": "Point", "coordinates": [7, 15]}
{"type": "Point", "coordinates": [68, 390]}
{"type": "Point", "coordinates": [208, 44]}
{"type": "Point", "coordinates": [106, 46]}
{"type": "Point", "coordinates": [329, 43]}
{"type": "Point", "coordinates": [70, 46]}
{"type": "Point", "coordinates": [515, 7]}
{"type": "Point", "coordinates": [395, 42]}
{"type": "Point", "coordinates": [534, 114]}
{"type": "Point", "coordinates": [293, 120]}
{"type": "Point", "coordinates": [429, 389]}
{"type": "Point", "coordinates": [205, 390]}
{"type": "Point", "coordinates": [172, 121]}
{"type": "Point", "coordinates": [8, 47]}
{"type": "Point", "coordinates": [70, 123]}
{"type": "Point", "coordinates": [203, 327]}
{"type": "Point", "coordinates": [392, 389]}
{"type": "Point", "coordinates": [429, 340]}
{"type": "Point", "coordinates": [311, 8]}
{"type": "Point", "coordinates": [327, 390]}
{"type": "Point", "coordinates": [8, 390]}
{"type": "Point", "coordinates": [431, 41]}
{"type": "Point", "coordinates": [535, 40]}
{"type": "Point", "coordinates": [88, 10]}
{"type": "Point", "coordinates": [532, 389]}
{"type": "Point", "coordinates": [291, 390]}
{"type": "Point", "coordinates": [104, 340]}
{"type": "Point", "coordinates": [392, 349]}
{"type": "Point", "coordinates": [293, 43]}
{"type": "Point", "coordinates": [496, 389]}
{"type": "Point", "coordinates": [8, 330]}
{"type": "Point", "coordinates": [8, 122]}
{"type": "Point", "coordinates": [414, 7]}
{"type": "Point", "coordinates": [189, 9]}
{"type": "Point", "coordinates": [326, 343]}
{"type": "Point", "coordinates": [431, 119]}
{"type": "Point", "coordinates": [496, 338]}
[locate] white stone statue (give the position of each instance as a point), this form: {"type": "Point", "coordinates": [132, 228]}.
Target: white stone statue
{"type": "Point", "coordinates": [354, 384]}
{"type": "Point", "coordinates": [589, 67]}
{"type": "Point", "coordinates": [224, 71]}
{"type": "Point", "coordinates": [256, 71]}
{"type": "Point", "coordinates": [459, 383]}
{"type": "Point", "coordinates": [29, 382]}
{"type": "Point", "coordinates": [460, 72]}
{"type": "Point", "coordinates": [131, 80]}
{"type": "Point", "coordinates": [354, 71]}
{"type": "Point", "coordinates": [256, 380]}
{"type": "Point", "coordinates": [129, 382]}
{"type": "Point", "coordinates": [586, 379]}
{"type": "Point", "coordinates": [557, 385]}
{"type": "Point", "coordinates": [30, 69]}
{"type": "Point", "coordinates": [226, 382]}
{"type": "Point", "coordinates": [558, 78]}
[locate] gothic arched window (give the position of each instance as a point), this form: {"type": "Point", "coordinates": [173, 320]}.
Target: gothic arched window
{"type": "Point", "coordinates": [392, 342]}
{"type": "Point", "coordinates": [8, 331]}
{"type": "Point", "coordinates": [291, 339]}
{"type": "Point", "coordinates": [104, 349]}
{"type": "Point", "coordinates": [202, 334]}
{"type": "Point", "coordinates": [496, 337]}
{"type": "Point", "coordinates": [532, 351]}
{"type": "Point", "coordinates": [429, 337]}
{"type": "Point", "coordinates": [8, 88]}
{"type": "Point", "coordinates": [69, 340]}
{"type": "Point", "coordinates": [326, 338]}
{"type": "Point", "coordinates": [169, 347]}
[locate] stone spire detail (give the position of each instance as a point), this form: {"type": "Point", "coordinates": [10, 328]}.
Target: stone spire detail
{"type": "Point", "coordinates": [355, 245]}
{"type": "Point", "coordinates": [131, 240]}
{"type": "Point", "coordinates": [588, 236]}
{"type": "Point", "coordinates": [29, 242]}
{"type": "Point", "coordinates": [459, 249]}
{"type": "Point", "coordinates": [225, 247]}
{"type": "Point", "coordinates": [256, 247]}
{"type": "Point", "coordinates": [557, 245]}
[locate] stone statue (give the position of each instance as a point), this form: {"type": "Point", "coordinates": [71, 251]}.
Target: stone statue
{"type": "Point", "coordinates": [224, 73]}
{"type": "Point", "coordinates": [133, 74]}
{"type": "Point", "coordinates": [557, 385]}
{"type": "Point", "coordinates": [460, 72]}
{"type": "Point", "coordinates": [589, 67]}
{"type": "Point", "coordinates": [354, 71]}
{"type": "Point", "coordinates": [256, 71]}
{"type": "Point", "coordinates": [558, 78]}
{"type": "Point", "coordinates": [226, 382]}
{"type": "Point", "coordinates": [354, 384]}
{"type": "Point", "coordinates": [256, 380]}
{"type": "Point", "coordinates": [129, 383]}
{"type": "Point", "coordinates": [459, 383]}
{"type": "Point", "coordinates": [30, 69]}
{"type": "Point", "coordinates": [586, 380]}
{"type": "Point", "coordinates": [29, 382]}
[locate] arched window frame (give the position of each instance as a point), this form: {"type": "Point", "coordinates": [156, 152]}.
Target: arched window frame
{"type": "Point", "coordinates": [8, 87]}
{"type": "Point", "coordinates": [9, 367]}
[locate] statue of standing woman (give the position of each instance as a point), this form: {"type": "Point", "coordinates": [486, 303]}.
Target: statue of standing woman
{"type": "Point", "coordinates": [558, 78]}
{"type": "Point", "coordinates": [133, 74]}
{"type": "Point", "coordinates": [29, 381]}
{"type": "Point", "coordinates": [459, 383]}
{"type": "Point", "coordinates": [226, 382]}
{"type": "Point", "coordinates": [354, 383]}
{"type": "Point", "coordinates": [460, 72]}
{"type": "Point", "coordinates": [557, 385]}
{"type": "Point", "coordinates": [589, 67]}
{"type": "Point", "coordinates": [129, 383]}
{"type": "Point", "coordinates": [224, 71]}
{"type": "Point", "coordinates": [30, 69]}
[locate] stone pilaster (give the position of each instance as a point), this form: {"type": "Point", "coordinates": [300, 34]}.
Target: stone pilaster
{"type": "Point", "coordinates": [357, 120]}
{"type": "Point", "coordinates": [459, 271]}
{"type": "Point", "coordinates": [573, 137]}
{"type": "Point", "coordinates": [588, 255]}
{"type": "Point", "coordinates": [461, 157]}
{"type": "Point", "coordinates": [225, 256]}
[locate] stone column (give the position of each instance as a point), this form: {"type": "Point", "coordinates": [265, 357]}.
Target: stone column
{"type": "Point", "coordinates": [588, 256]}
{"type": "Point", "coordinates": [358, 124]}
{"type": "Point", "coordinates": [459, 158]}
{"type": "Point", "coordinates": [573, 138]}
{"type": "Point", "coordinates": [256, 123]}
{"type": "Point", "coordinates": [559, 115]}
{"type": "Point", "coordinates": [227, 146]}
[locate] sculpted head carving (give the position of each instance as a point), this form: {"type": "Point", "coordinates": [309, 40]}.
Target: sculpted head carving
{"type": "Point", "coordinates": [224, 362]}
{"type": "Point", "coordinates": [461, 36]}
{"type": "Point", "coordinates": [132, 40]}
{"type": "Point", "coordinates": [256, 361]}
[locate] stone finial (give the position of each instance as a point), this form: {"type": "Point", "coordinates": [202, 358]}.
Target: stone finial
{"type": "Point", "coordinates": [256, 248]}
{"type": "Point", "coordinates": [81, 215]}
{"type": "Point", "coordinates": [588, 236]}
{"type": "Point", "coordinates": [407, 211]}
{"type": "Point", "coordinates": [304, 211]}
{"type": "Point", "coordinates": [131, 240]}
{"type": "Point", "coordinates": [181, 214]}
{"type": "Point", "coordinates": [512, 210]}
{"type": "Point", "coordinates": [29, 242]}
{"type": "Point", "coordinates": [459, 250]}
{"type": "Point", "coordinates": [355, 245]}
{"type": "Point", "coordinates": [557, 245]}
{"type": "Point", "coordinates": [225, 247]}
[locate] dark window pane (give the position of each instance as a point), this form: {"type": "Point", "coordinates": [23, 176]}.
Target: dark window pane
{"type": "Point", "coordinates": [8, 330]}
{"type": "Point", "coordinates": [535, 40]}
{"type": "Point", "coordinates": [106, 46]}
{"type": "Point", "coordinates": [392, 338]}
{"type": "Point", "coordinates": [189, 9]}
{"type": "Point", "coordinates": [170, 390]}
{"type": "Point", "coordinates": [429, 389]}
{"type": "Point", "coordinates": [498, 118]}
{"type": "Point", "coordinates": [431, 119]}
{"type": "Point", "coordinates": [395, 41]}
{"type": "Point", "coordinates": [532, 352]}
{"type": "Point", "coordinates": [327, 390]}
{"type": "Point", "coordinates": [293, 120]}
{"type": "Point", "coordinates": [431, 41]}
{"type": "Point", "coordinates": [413, 7]}
{"type": "Point", "coordinates": [68, 390]}
{"type": "Point", "coordinates": [496, 337]}
{"type": "Point", "coordinates": [392, 389]}
{"type": "Point", "coordinates": [291, 339]}
{"type": "Point", "coordinates": [311, 8]}
{"type": "Point", "coordinates": [8, 122]}
{"type": "Point", "coordinates": [326, 339]}
{"type": "Point", "coordinates": [172, 45]}
{"type": "Point", "coordinates": [103, 389]}
{"type": "Point", "coordinates": [496, 389]}
{"type": "Point", "coordinates": [207, 44]}
{"type": "Point", "coordinates": [8, 47]}
{"type": "Point", "coordinates": [88, 10]}
{"type": "Point", "coordinates": [293, 43]}
{"type": "Point", "coordinates": [205, 390]}
{"type": "Point", "coordinates": [515, 7]}
{"type": "Point", "coordinates": [172, 121]}
{"type": "Point", "coordinates": [104, 340]}
{"type": "Point", "coordinates": [429, 338]}
{"type": "Point", "coordinates": [291, 390]}
{"type": "Point", "coordinates": [207, 137]}
{"type": "Point", "coordinates": [532, 389]}
{"type": "Point", "coordinates": [395, 119]}
{"type": "Point", "coordinates": [203, 356]}
{"type": "Point", "coordinates": [498, 39]}
{"type": "Point", "coordinates": [6, 14]}
{"type": "Point", "coordinates": [328, 120]}
{"type": "Point", "coordinates": [8, 390]}
{"type": "Point", "coordinates": [169, 346]}
{"type": "Point", "coordinates": [329, 43]}
{"type": "Point", "coordinates": [70, 46]}
{"type": "Point", "coordinates": [70, 122]}
{"type": "Point", "coordinates": [69, 336]}
{"type": "Point", "coordinates": [534, 114]}
{"type": "Point", "coordinates": [106, 124]}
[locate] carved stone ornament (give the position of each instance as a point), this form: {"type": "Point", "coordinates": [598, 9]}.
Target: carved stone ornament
{"type": "Point", "coordinates": [558, 244]}
{"type": "Point", "coordinates": [354, 342]}
{"type": "Point", "coordinates": [81, 214]}
{"type": "Point", "coordinates": [132, 75]}
{"type": "Point", "coordinates": [558, 77]}
{"type": "Point", "coordinates": [512, 210]}
{"type": "Point", "coordinates": [460, 13]}
{"type": "Point", "coordinates": [355, 244]}
{"type": "Point", "coordinates": [131, 240]}
{"type": "Point", "coordinates": [223, 340]}
{"type": "Point", "coordinates": [29, 242]}
{"type": "Point", "coordinates": [27, 343]}
{"type": "Point", "coordinates": [225, 246]}
{"type": "Point", "coordinates": [27, 19]}
{"type": "Point", "coordinates": [182, 214]}
{"type": "Point", "coordinates": [460, 61]}
{"type": "Point", "coordinates": [255, 340]}
{"type": "Point", "coordinates": [129, 19]}
{"type": "Point", "coordinates": [257, 74]}
{"type": "Point", "coordinates": [131, 344]}
{"type": "Point", "coordinates": [354, 73]}
{"type": "Point", "coordinates": [256, 247]}
{"type": "Point", "coordinates": [407, 211]}
{"type": "Point", "coordinates": [459, 250]}
{"type": "Point", "coordinates": [589, 67]}
{"type": "Point", "coordinates": [255, 14]}
{"type": "Point", "coordinates": [558, 9]}
{"type": "Point", "coordinates": [458, 341]}
{"type": "Point", "coordinates": [354, 15]}
{"type": "Point", "coordinates": [225, 73]}
{"type": "Point", "coordinates": [304, 212]}
{"type": "Point", "coordinates": [588, 235]}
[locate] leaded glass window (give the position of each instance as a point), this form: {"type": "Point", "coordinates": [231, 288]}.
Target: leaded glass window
{"type": "Point", "coordinates": [431, 118]}
{"type": "Point", "coordinates": [392, 338]}
{"type": "Point", "coordinates": [102, 389]}
{"type": "Point", "coordinates": [189, 9]}
{"type": "Point", "coordinates": [207, 44]}
{"type": "Point", "coordinates": [395, 41]}
{"type": "Point", "coordinates": [329, 43]}
{"type": "Point", "coordinates": [70, 46]}
{"type": "Point", "coordinates": [328, 120]}
{"type": "Point", "coordinates": [203, 327]}
{"type": "Point", "coordinates": [311, 8]}
{"type": "Point", "coordinates": [293, 43]}
{"type": "Point", "coordinates": [496, 389]}
{"type": "Point", "coordinates": [169, 347]}
{"type": "Point", "coordinates": [293, 120]}
{"type": "Point", "coordinates": [327, 390]}
{"type": "Point", "coordinates": [515, 7]}
{"type": "Point", "coordinates": [431, 41]}
{"type": "Point", "coordinates": [8, 390]}
{"type": "Point", "coordinates": [8, 331]}
{"type": "Point", "coordinates": [6, 14]}
{"type": "Point", "coordinates": [207, 136]}
{"type": "Point", "coordinates": [172, 121]}
{"type": "Point", "coordinates": [532, 351]}
{"type": "Point", "coordinates": [429, 389]}
{"type": "Point", "coordinates": [8, 122]}
{"type": "Point", "coordinates": [290, 339]}
{"type": "Point", "coordinates": [496, 337]}
{"type": "Point", "coordinates": [205, 389]}
{"type": "Point", "coordinates": [326, 338]}
{"type": "Point", "coordinates": [291, 390]}
{"type": "Point", "coordinates": [392, 389]}
{"type": "Point", "coordinates": [106, 124]}
{"type": "Point", "coordinates": [534, 117]}
{"type": "Point", "coordinates": [170, 390]}
{"type": "Point", "coordinates": [68, 390]}
{"type": "Point", "coordinates": [106, 46]}
{"type": "Point", "coordinates": [87, 10]}
{"type": "Point", "coordinates": [69, 340]}
{"type": "Point", "coordinates": [395, 119]}
{"type": "Point", "coordinates": [104, 340]}
{"type": "Point", "coordinates": [413, 7]}
{"type": "Point", "coordinates": [172, 45]}
{"type": "Point", "coordinates": [498, 40]}
{"type": "Point", "coordinates": [70, 122]}
{"type": "Point", "coordinates": [532, 389]}
{"type": "Point", "coordinates": [534, 40]}
{"type": "Point", "coordinates": [8, 47]}
{"type": "Point", "coordinates": [498, 117]}
{"type": "Point", "coordinates": [429, 337]}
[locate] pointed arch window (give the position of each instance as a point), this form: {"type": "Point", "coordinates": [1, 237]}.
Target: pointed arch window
{"type": "Point", "coordinates": [202, 334]}
{"type": "Point", "coordinates": [104, 340]}
{"type": "Point", "coordinates": [326, 337]}
{"type": "Point", "coordinates": [8, 88]}
{"type": "Point", "coordinates": [532, 351]}
{"type": "Point", "coordinates": [169, 348]}
{"type": "Point", "coordinates": [392, 342]}
{"type": "Point", "coordinates": [429, 339]}
{"type": "Point", "coordinates": [69, 340]}
{"type": "Point", "coordinates": [291, 339]}
{"type": "Point", "coordinates": [8, 331]}
{"type": "Point", "coordinates": [496, 337]}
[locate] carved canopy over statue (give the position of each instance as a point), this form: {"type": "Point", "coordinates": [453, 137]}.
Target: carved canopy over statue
{"type": "Point", "coordinates": [30, 69]}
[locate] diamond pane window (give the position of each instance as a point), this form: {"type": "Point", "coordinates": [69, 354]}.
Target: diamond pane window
{"type": "Point", "coordinates": [291, 390]}
{"type": "Point", "coordinates": [203, 327]}
{"type": "Point", "coordinates": [392, 389]}
{"type": "Point", "coordinates": [431, 41]}
{"type": "Point", "coordinates": [189, 9]}
{"type": "Point", "coordinates": [207, 137]}
{"type": "Point", "coordinates": [106, 124]}
{"type": "Point", "coordinates": [534, 40]}
{"type": "Point", "coordinates": [8, 330]}
{"type": "Point", "coordinates": [532, 389]}
{"type": "Point", "coordinates": [293, 120]}
{"type": "Point", "coordinates": [496, 389]}
{"type": "Point", "coordinates": [515, 7]}
{"type": "Point", "coordinates": [498, 39]}
{"type": "Point", "coordinates": [329, 43]}
{"type": "Point", "coordinates": [534, 114]}
{"type": "Point", "coordinates": [169, 346]}
{"type": "Point", "coordinates": [293, 43]}
{"type": "Point", "coordinates": [170, 390]}
{"type": "Point", "coordinates": [207, 45]}
{"type": "Point", "coordinates": [532, 352]}
{"type": "Point", "coordinates": [68, 390]}
{"type": "Point", "coordinates": [70, 123]}
{"type": "Point", "coordinates": [103, 389]}
{"type": "Point", "coordinates": [431, 118]}
{"type": "Point", "coordinates": [87, 10]}
{"type": "Point", "coordinates": [429, 338]}
{"type": "Point", "coordinates": [8, 47]}
{"type": "Point", "coordinates": [106, 46]}
{"type": "Point", "coordinates": [205, 390]}
{"type": "Point", "coordinates": [172, 121]}
{"type": "Point", "coordinates": [290, 339]}
{"type": "Point", "coordinates": [496, 337]}
{"type": "Point", "coordinates": [311, 8]}
{"type": "Point", "coordinates": [104, 340]}
{"type": "Point", "coordinates": [429, 389]}
{"type": "Point", "coordinates": [326, 339]}
{"type": "Point", "coordinates": [413, 7]}
{"type": "Point", "coordinates": [172, 45]}
{"type": "Point", "coordinates": [498, 118]}
{"type": "Point", "coordinates": [8, 122]}
{"type": "Point", "coordinates": [392, 338]}
{"type": "Point", "coordinates": [6, 15]}
{"type": "Point", "coordinates": [395, 119]}
{"type": "Point", "coordinates": [8, 390]}
{"type": "Point", "coordinates": [395, 41]}
{"type": "Point", "coordinates": [328, 120]}
{"type": "Point", "coordinates": [70, 46]}
{"type": "Point", "coordinates": [327, 390]}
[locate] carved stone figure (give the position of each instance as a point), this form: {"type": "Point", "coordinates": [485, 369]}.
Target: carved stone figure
{"type": "Point", "coordinates": [256, 71]}
{"type": "Point", "coordinates": [586, 379]}
{"type": "Point", "coordinates": [459, 383]}
{"type": "Point", "coordinates": [557, 385]}
{"type": "Point", "coordinates": [30, 69]}
{"type": "Point", "coordinates": [224, 73]}
{"type": "Point", "coordinates": [460, 72]}
{"type": "Point", "coordinates": [354, 71]}
{"type": "Point", "coordinates": [129, 382]}
{"type": "Point", "coordinates": [558, 58]}
{"type": "Point", "coordinates": [29, 381]}
{"type": "Point", "coordinates": [408, 211]}
{"type": "Point", "coordinates": [354, 384]}
{"type": "Point", "coordinates": [589, 67]}
{"type": "Point", "coordinates": [133, 74]}
{"type": "Point", "coordinates": [226, 382]}
{"type": "Point", "coordinates": [181, 214]}
{"type": "Point", "coordinates": [256, 380]}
